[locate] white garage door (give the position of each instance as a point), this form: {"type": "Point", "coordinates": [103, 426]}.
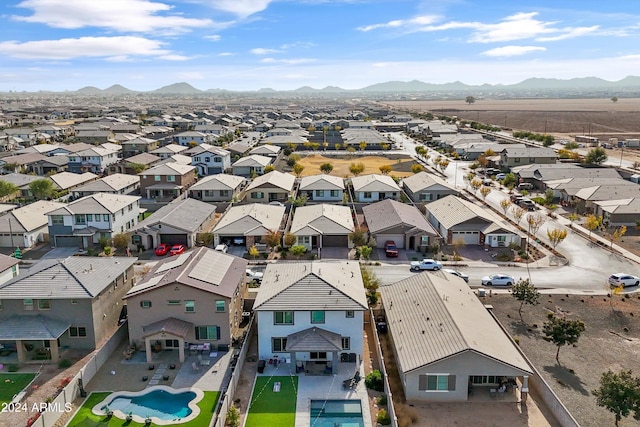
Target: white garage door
{"type": "Point", "coordinates": [469, 237]}
{"type": "Point", "coordinates": [382, 238]}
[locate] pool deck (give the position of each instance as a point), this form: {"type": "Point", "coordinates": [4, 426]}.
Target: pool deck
{"type": "Point", "coordinates": [324, 387]}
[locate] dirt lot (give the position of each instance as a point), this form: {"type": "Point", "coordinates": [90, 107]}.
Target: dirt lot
{"type": "Point", "coordinates": [401, 165]}
{"type": "Point", "coordinates": [611, 341]}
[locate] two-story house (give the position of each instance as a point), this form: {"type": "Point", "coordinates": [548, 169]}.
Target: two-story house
{"type": "Point", "coordinates": [83, 222]}
{"type": "Point", "coordinates": [192, 138]}
{"type": "Point", "coordinates": [95, 160]}
{"type": "Point", "coordinates": [209, 160]}
{"type": "Point", "coordinates": [192, 299]}
{"type": "Point", "coordinates": [59, 304]}
{"type": "Point", "coordinates": [168, 180]}
{"type": "Point", "coordinates": [169, 150]}
{"type": "Point", "coordinates": [138, 145]}
{"type": "Point", "coordinates": [311, 312]}
{"type": "Point", "coordinates": [271, 187]}
{"type": "Point", "coordinates": [374, 187]}
{"type": "Point", "coordinates": [323, 187]}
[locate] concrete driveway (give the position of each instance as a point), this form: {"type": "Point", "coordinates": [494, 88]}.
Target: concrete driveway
{"type": "Point", "coordinates": [60, 253]}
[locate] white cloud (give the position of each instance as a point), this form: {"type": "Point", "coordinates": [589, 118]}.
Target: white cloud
{"type": "Point", "coordinates": [402, 23]}
{"type": "Point", "coordinates": [292, 61]}
{"type": "Point", "coordinates": [514, 27]}
{"type": "Point", "coordinates": [570, 33]}
{"type": "Point", "coordinates": [120, 15]}
{"type": "Point", "coordinates": [506, 51]}
{"type": "Point", "coordinates": [213, 38]}
{"type": "Point", "coordinates": [241, 8]}
{"type": "Point", "coordinates": [109, 47]}
{"type": "Point", "coordinates": [263, 51]}
{"type": "Point", "coordinates": [174, 57]}
{"type": "Point", "coordinates": [226, 54]}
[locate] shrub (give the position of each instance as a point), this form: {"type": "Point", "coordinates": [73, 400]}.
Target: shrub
{"type": "Point", "coordinates": [64, 363]}
{"type": "Point", "coordinates": [107, 250]}
{"type": "Point", "coordinates": [382, 400]}
{"type": "Point", "coordinates": [13, 368]}
{"type": "Point", "coordinates": [383, 417]}
{"type": "Point", "coordinates": [233, 417]}
{"type": "Point", "coordinates": [374, 381]}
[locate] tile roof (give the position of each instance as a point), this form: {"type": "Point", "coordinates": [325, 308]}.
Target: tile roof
{"type": "Point", "coordinates": [423, 180]}
{"type": "Point", "coordinates": [321, 182]}
{"type": "Point", "coordinates": [452, 210]}
{"type": "Point", "coordinates": [38, 327]}
{"type": "Point", "coordinates": [383, 215]}
{"type": "Point", "coordinates": [274, 178]}
{"type": "Point", "coordinates": [171, 325]}
{"type": "Point", "coordinates": [323, 219]}
{"type": "Point", "coordinates": [65, 180]}
{"type": "Point", "coordinates": [29, 217]}
{"type": "Point", "coordinates": [314, 339]}
{"type": "Point", "coordinates": [110, 183]}
{"type": "Point", "coordinates": [96, 203]}
{"type": "Point", "coordinates": [184, 214]}
{"type": "Point", "coordinates": [219, 181]}
{"type": "Point", "coordinates": [374, 182]}
{"type": "Point", "coordinates": [245, 220]}
{"type": "Point", "coordinates": [253, 160]}
{"type": "Point", "coordinates": [172, 168]}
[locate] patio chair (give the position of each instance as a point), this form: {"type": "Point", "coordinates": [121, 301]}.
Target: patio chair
{"type": "Point", "coordinates": [195, 366]}
{"type": "Point", "coordinates": [299, 366]}
{"type": "Point", "coordinates": [328, 369]}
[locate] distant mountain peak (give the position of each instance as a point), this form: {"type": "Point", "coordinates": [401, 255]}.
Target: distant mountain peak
{"type": "Point", "coordinates": [181, 88]}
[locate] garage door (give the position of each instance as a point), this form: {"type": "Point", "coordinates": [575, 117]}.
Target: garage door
{"type": "Point", "coordinates": [382, 238]}
{"type": "Point", "coordinates": [174, 239]}
{"type": "Point", "coordinates": [7, 242]}
{"type": "Point", "coordinates": [68, 241]}
{"type": "Point", "coordinates": [469, 237]}
{"type": "Point", "coordinates": [335, 241]}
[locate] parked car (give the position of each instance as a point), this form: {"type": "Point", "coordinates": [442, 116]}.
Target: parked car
{"type": "Point", "coordinates": [276, 203]}
{"type": "Point", "coordinates": [426, 264]}
{"type": "Point", "coordinates": [498, 280]}
{"type": "Point", "coordinates": [623, 279]}
{"type": "Point", "coordinates": [501, 176]}
{"type": "Point", "coordinates": [390, 248]}
{"type": "Point", "coordinates": [525, 186]}
{"type": "Point", "coordinates": [460, 274]}
{"type": "Point", "coordinates": [222, 248]}
{"type": "Point", "coordinates": [256, 276]}
{"type": "Point", "coordinates": [492, 171]}
{"type": "Point", "coordinates": [515, 198]}
{"type": "Point", "coordinates": [177, 250]}
{"type": "Point", "coordinates": [488, 182]}
{"type": "Point", "coordinates": [527, 204]}
{"type": "Point", "coordinates": [162, 249]}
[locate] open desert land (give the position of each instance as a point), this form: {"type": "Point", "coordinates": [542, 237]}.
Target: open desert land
{"type": "Point", "coordinates": [401, 165]}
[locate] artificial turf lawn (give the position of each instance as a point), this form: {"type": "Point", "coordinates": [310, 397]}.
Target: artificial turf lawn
{"type": "Point", "coordinates": [269, 408]}
{"type": "Point", "coordinates": [16, 383]}
{"type": "Point", "coordinates": [207, 406]}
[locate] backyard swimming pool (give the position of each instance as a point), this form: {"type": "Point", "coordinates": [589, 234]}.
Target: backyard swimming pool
{"type": "Point", "coordinates": [163, 405]}
{"type": "Point", "coordinates": [336, 413]}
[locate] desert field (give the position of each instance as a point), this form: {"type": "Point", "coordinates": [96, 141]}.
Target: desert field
{"type": "Point", "coordinates": [598, 117]}
{"type": "Point", "coordinates": [401, 166]}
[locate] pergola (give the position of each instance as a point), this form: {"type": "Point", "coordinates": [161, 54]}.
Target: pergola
{"type": "Point", "coordinates": [169, 328]}
{"type": "Point", "coordinates": [24, 328]}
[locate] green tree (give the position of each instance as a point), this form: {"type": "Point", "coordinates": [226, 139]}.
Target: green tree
{"type": "Point", "coordinates": [365, 252]}
{"type": "Point", "coordinates": [470, 100]}
{"type": "Point", "coordinates": [614, 99]}
{"type": "Point", "coordinates": [526, 293]}
{"type": "Point", "coordinates": [359, 236]}
{"type": "Point", "coordinates": [137, 167]}
{"type": "Point", "coordinates": [297, 250]}
{"type": "Point", "coordinates": [416, 168]}
{"type": "Point", "coordinates": [297, 169]}
{"type": "Point", "coordinates": [562, 331]}
{"type": "Point", "coordinates": [573, 217]}
{"type": "Point", "coordinates": [121, 241]}
{"type": "Point", "coordinates": [41, 188]}
{"type": "Point", "coordinates": [509, 179]}
{"type": "Point", "coordinates": [548, 196]}
{"type": "Point", "coordinates": [362, 145]}
{"type": "Point", "coordinates": [556, 236]}
{"type": "Point", "coordinates": [7, 188]}
{"type": "Point", "coordinates": [385, 169]}
{"type": "Point", "coordinates": [290, 239]}
{"type": "Point", "coordinates": [326, 168]}
{"type": "Point", "coordinates": [619, 393]}
{"type": "Point", "coordinates": [293, 159]}
{"type": "Point", "coordinates": [356, 168]}
{"type": "Point", "coordinates": [596, 156]}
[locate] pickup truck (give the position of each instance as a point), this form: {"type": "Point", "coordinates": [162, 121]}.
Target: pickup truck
{"type": "Point", "coordinates": [426, 264]}
{"type": "Point", "coordinates": [390, 248]}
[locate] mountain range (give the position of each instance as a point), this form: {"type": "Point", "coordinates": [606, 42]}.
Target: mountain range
{"type": "Point", "coordinates": [583, 83]}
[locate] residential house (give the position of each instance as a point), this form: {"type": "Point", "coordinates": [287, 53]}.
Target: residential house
{"type": "Point", "coordinates": [169, 150]}
{"type": "Point", "coordinates": [209, 160]}
{"type": "Point", "coordinates": [26, 226]}
{"type": "Point", "coordinates": [22, 163]}
{"type": "Point", "coordinates": [266, 150]}
{"type": "Point", "coordinates": [134, 164]}
{"type": "Point", "coordinates": [424, 187]}
{"type": "Point", "coordinates": [193, 299]}
{"type": "Point", "coordinates": [447, 345]}
{"type": "Point", "coordinates": [538, 175]}
{"type": "Point", "coordinates": [167, 180]}
{"type": "Point", "coordinates": [584, 198]}
{"type": "Point", "coordinates": [458, 219]}
{"type": "Point", "coordinates": [402, 223]}
{"type": "Point", "coordinates": [95, 137]}
{"type": "Point", "coordinates": [96, 160]}
{"type": "Point", "coordinates": [178, 222]}
{"type": "Point", "coordinates": [138, 145]}
{"type": "Point", "coordinates": [63, 304]}
{"type": "Point", "coordinates": [22, 181]}
{"type": "Point", "coordinates": [218, 188]}
{"type": "Point", "coordinates": [239, 148]}
{"type": "Point", "coordinates": [50, 165]}
{"type": "Point", "coordinates": [374, 187]}
{"type": "Point", "coordinates": [619, 212]}
{"type": "Point", "coordinates": [518, 156]}
{"type": "Point", "coordinates": [192, 138]}
{"type": "Point", "coordinates": [322, 188]}
{"type": "Point", "coordinates": [271, 187]}
{"type": "Point", "coordinates": [9, 268]}
{"type": "Point", "coordinates": [113, 184]}
{"type": "Point", "coordinates": [67, 181]}
{"type": "Point", "coordinates": [323, 225]}
{"type": "Point", "coordinates": [251, 165]}
{"type": "Point", "coordinates": [83, 222]}
{"type": "Point", "coordinates": [311, 312]}
{"type": "Point", "coordinates": [248, 224]}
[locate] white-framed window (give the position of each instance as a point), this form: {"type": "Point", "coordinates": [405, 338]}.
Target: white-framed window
{"type": "Point", "coordinates": [366, 194]}
{"type": "Point", "coordinates": [77, 331]}
{"type": "Point", "coordinates": [44, 304]}
{"type": "Point", "coordinates": [346, 343]}
{"type": "Point", "coordinates": [81, 219]}
{"type": "Point", "coordinates": [217, 159]}
{"type": "Point", "coordinates": [57, 220]}
{"type": "Point", "coordinates": [171, 178]}
{"type": "Point", "coordinates": [349, 314]}
{"type": "Point", "coordinates": [334, 193]}
{"type": "Point", "coordinates": [437, 382]}
{"type": "Point", "coordinates": [283, 318]}
{"type": "Point", "coordinates": [105, 217]}
{"type": "Point", "coordinates": [173, 302]}
{"type": "Point", "coordinates": [157, 178]}
{"type": "Point", "coordinates": [190, 306]}
{"type": "Point", "coordinates": [317, 316]}
{"type": "Point", "coordinates": [278, 344]}
{"type": "Point", "coordinates": [28, 304]}
{"type": "Point", "coordinates": [97, 217]}
{"type": "Point", "coordinates": [145, 304]}
{"type": "Point", "coordinates": [257, 195]}
{"type": "Point", "coordinates": [425, 196]}
{"type": "Point", "coordinates": [320, 193]}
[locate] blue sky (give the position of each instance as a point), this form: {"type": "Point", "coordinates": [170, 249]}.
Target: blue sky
{"type": "Point", "coordinates": [286, 44]}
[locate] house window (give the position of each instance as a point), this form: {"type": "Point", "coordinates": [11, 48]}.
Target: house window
{"type": "Point", "coordinates": [105, 217]}
{"type": "Point", "coordinates": [283, 318]}
{"type": "Point", "coordinates": [436, 382]}
{"type": "Point", "coordinates": [317, 355]}
{"type": "Point", "coordinates": [483, 379]}
{"type": "Point", "coordinates": [190, 306]}
{"type": "Point", "coordinates": [220, 306]}
{"type": "Point", "coordinates": [304, 240]}
{"type": "Point", "coordinates": [257, 195]}
{"type": "Point", "coordinates": [349, 314]}
{"type": "Point", "coordinates": [207, 159]}
{"type": "Point", "coordinates": [157, 178]}
{"type": "Point", "coordinates": [145, 304]}
{"type": "Point", "coordinates": [502, 238]}
{"type": "Point", "coordinates": [217, 159]}
{"type": "Point", "coordinates": [98, 217]}
{"type": "Point", "coordinates": [173, 302]}
{"type": "Point", "coordinates": [14, 270]}
{"type": "Point", "coordinates": [224, 193]}
{"type": "Point", "coordinates": [320, 193]}
{"type": "Point", "coordinates": [346, 343]}
{"type": "Point", "coordinates": [81, 219]}
{"type": "Point", "coordinates": [317, 316]}
{"type": "Point", "coordinates": [74, 301]}
{"type": "Point", "coordinates": [57, 220]}
{"type": "Point", "coordinates": [425, 196]}
{"type": "Point", "coordinates": [207, 333]}
{"type": "Point", "coordinates": [278, 345]}
{"type": "Point", "coordinates": [516, 160]}
{"type": "Point", "coordinates": [367, 194]}
{"type": "Point", "coordinates": [171, 178]}
{"type": "Point", "coordinates": [89, 217]}
{"type": "Point", "coordinates": [28, 304]}
{"type": "Point", "coordinates": [44, 304]}
{"type": "Point", "coordinates": [77, 331]}
{"type": "Point", "coordinates": [424, 240]}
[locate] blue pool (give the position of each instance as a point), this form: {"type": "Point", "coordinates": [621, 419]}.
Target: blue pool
{"type": "Point", "coordinates": [336, 413]}
{"type": "Point", "coordinates": [157, 403]}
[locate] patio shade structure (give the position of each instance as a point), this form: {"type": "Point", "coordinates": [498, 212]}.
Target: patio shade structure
{"type": "Point", "coordinates": [169, 328]}
{"type": "Point", "coordinates": [315, 340]}
{"type": "Point", "coordinates": [20, 328]}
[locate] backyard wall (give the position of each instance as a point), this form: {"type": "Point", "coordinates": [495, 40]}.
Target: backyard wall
{"type": "Point", "coordinates": [387, 389]}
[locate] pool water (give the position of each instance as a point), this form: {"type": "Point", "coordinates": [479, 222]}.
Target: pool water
{"type": "Point", "coordinates": [336, 413]}
{"type": "Point", "coordinates": [157, 403]}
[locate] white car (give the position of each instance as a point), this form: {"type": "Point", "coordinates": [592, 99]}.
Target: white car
{"type": "Point", "coordinates": [426, 264]}
{"type": "Point", "coordinates": [460, 274]}
{"type": "Point", "coordinates": [623, 279]}
{"type": "Point", "coordinates": [254, 275]}
{"type": "Point", "coordinates": [498, 280]}
{"type": "Point", "coordinates": [222, 248]}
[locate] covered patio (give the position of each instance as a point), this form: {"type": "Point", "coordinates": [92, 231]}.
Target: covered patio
{"type": "Point", "coordinates": [167, 333]}
{"type": "Point", "coordinates": [318, 343]}
{"type": "Point", "coordinates": [34, 338]}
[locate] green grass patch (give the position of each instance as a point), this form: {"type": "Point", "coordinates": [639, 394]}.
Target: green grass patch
{"type": "Point", "coordinates": [12, 384]}
{"type": "Point", "coordinates": [273, 409]}
{"type": "Point", "coordinates": [207, 407]}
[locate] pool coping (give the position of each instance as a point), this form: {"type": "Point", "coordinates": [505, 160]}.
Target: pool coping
{"type": "Point", "coordinates": [193, 404]}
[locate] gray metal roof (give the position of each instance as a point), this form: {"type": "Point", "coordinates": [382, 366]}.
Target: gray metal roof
{"type": "Point", "coordinates": [312, 285]}
{"type": "Point", "coordinates": [73, 277]}
{"type": "Point", "coordinates": [38, 327]}
{"type": "Point", "coordinates": [432, 316]}
{"type": "Point", "coordinates": [383, 215]}
{"type": "Point", "coordinates": [183, 214]}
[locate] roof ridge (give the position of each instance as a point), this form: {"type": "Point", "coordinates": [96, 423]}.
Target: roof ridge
{"type": "Point", "coordinates": [63, 264]}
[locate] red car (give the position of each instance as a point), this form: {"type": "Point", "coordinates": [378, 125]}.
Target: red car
{"type": "Point", "coordinates": [390, 248]}
{"type": "Point", "coordinates": [162, 249]}
{"type": "Point", "coordinates": [177, 249]}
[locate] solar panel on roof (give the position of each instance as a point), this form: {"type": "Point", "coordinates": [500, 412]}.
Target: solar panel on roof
{"type": "Point", "coordinates": [211, 268]}
{"type": "Point", "coordinates": [174, 263]}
